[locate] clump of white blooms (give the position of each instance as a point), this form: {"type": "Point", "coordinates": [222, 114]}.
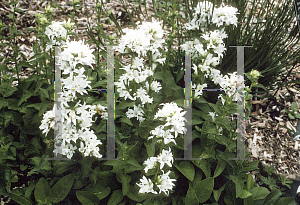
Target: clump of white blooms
{"type": "Point", "coordinates": [57, 33]}
{"type": "Point", "coordinates": [74, 55]}
{"type": "Point", "coordinates": [76, 52]}
{"type": "Point", "coordinates": [149, 38]}
{"type": "Point", "coordinates": [214, 49]}
{"type": "Point", "coordinates": [205, 14]}
{"type": "Point", "coordinates": [225, 15]}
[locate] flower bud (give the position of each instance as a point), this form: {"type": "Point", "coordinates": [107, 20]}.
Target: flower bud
{"type": "Point", "coordinates": [99, 5]}
{"type": "Point", "coordinates": [112, 37]}
{"type": "Point", "coordinates": [76, 1]}
{"type": "Point", "coordinates": [176, 13]}
{"type": "Point", "coordinates": [90, 79]}
{"type": "Point", "coordinates": [49, 10]}
{"type": "Point", "coordinates": [43, 20]}
{"type": "Point", "coordinates": [39, 15]}
{"type": "Point", "coordinates": [254, 74]}
{"type": "Point", "coordinates": [68, 25]}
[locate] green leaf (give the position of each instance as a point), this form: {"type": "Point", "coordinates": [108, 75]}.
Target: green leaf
{"type": "Point", "coordinates": [9, 91]}
{"type": "Point", "coordinates": [103, 193]}
{"type": "Point", "coordinates": [44, 107]}
{"type": "Point", "coordinates": [19, 199]}
{"type": "Point", "coordinates": [250, 182]}
{"type": "Point", "coordinates": [204, 165]}
{"type": "Point", "coordinates": [44, 93]}
{"type": "Point", "coordinates": [220, 167]}
{"type": "Point", "coordinates": [291, 116]}
{"type": "Point", "coordinates": [126, 120]}
{"type": "Point", "coordinates": [25, 64]}
{"type": "Point", "coordinates": [63, 166]}
{"type": "Point", "coordinates": [134, 194]}
{"type": "Point", "coordinates": [37, 106]}
{"type": "Point", "coordinates": [204, 189]}
{"type": "Point", "coordinates": [297, 115]}
{"type": "Point", "coordinates": [124, 105]}
{"type": "Point", "coordinates": [25, 96]}
{"type": "Point", "coordinates": [30, 189]}
{"type": "Point", "coordinates": [86, 197]}
{"type": "Point", "coordinates": [125, 179]}
{"type": "Point", "coordinates": [191, 197]}
{"type": "Point", "coordinates": [250, 166]}
{"type": "Point", "coordinates": [245, 194]}
{"type": "Point", "coordinates": [12, 3]}
{"type": "Point", "coordinates": [35, 161]}
{"type": "Point", "coordinates": [150, 148]}
{"type": "Point", "coordinates": [261, 86]}
{"type": "Point", "coordinates": [239, 184]}
{"type": "Point", "coordinates": [217, 193]}
{"type": "Point", "coordinates": [116, 197]}
{"type": "Point", "coordinates": [197, 179]}
{"type": "Point", "coordinates": [41, 190]}
{"type": "Point", "coordinates": [61, 189]}
{"type": "Point", "coordinates": [294, 107]}
{"type": "Point", "coordinates": [286, 201]}
{"type": "Point", "coordinates": [32, 77]}
{"type": "Point", "coordinates": [5, 173]}
{"type": "Point", "coordinates": [187, 169]}
{"type": "Point", "coordinates": [117, 164]}
{"type": "Point", "coordinates": [132, 165]}
{"type": "Point", "coordinates": [3, 103]}
{"type": "Point", "coordinates": [259, 192]}
{"type": "Point", "coordinates": [272, 197]}
{"type": "Point", "coordinates": [158, 75]}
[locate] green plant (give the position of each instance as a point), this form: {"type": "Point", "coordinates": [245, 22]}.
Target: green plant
{"type": "Point", "coordinates": [212, 180]}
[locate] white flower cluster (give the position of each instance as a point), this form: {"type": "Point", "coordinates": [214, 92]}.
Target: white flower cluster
{"type": "Point", "coordinates": [205, 14]}
{"type": "Point", "coordinates": [57, 33]}
{"type": "Point", "coordinates": [174, 117]}
{"type": "Point", "coordinates": [215, 46]}
{"type": "Point", "coordinates": [148, 37]}
{"type": "Point", "coordinates": [74, 55]}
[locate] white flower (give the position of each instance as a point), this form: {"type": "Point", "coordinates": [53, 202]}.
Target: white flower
{"type": "Point", "coordinates": [146, 186]}
{"type": "Point", "coordinates": [165, 183]}
{"type": "Point", "coordinates": [156, 86]}
{"type": "Point", "coordinates": [187, 46]}
{"type": "Point", "coordinates": [76, 52]}
{"type": "Point", "coordinates": [166, 157]}
{"type": "Point", "coordinates": [222, 99]}
{"type": "Point", "coordinates": [225, 15]}
{"type": "Point", "coordinates": [150, 163]}
{"type": "Point", "coordinates": [55, 31]}
{"type": "Point", "coordinates": [199, 89]}
{"type": "Point", "coordinates": [136, 112]}
{"type": "Point", "coordinates": [212, 114]}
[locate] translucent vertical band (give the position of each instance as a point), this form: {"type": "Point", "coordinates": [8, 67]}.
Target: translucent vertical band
{"type": "Point", "coordinates": [240, 108]}
{"type": "Point", "coordinates": [57, 108]}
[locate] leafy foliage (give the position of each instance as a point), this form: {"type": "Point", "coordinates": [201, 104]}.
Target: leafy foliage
{"type": "Point", "coordinates": [212, 180]}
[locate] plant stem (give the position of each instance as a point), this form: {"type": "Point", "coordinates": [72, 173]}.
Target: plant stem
{"type": "Point", "coordinates": [14, 37]}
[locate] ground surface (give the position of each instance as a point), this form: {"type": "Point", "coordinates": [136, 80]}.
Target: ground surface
{"type": "Point", "coordinates": [267, 137]}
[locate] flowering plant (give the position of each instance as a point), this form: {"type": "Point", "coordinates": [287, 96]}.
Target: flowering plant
{"type": "Point", "coordinates": [149, 121]}
{"type": "Point", "coordinates": [137, 84]}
